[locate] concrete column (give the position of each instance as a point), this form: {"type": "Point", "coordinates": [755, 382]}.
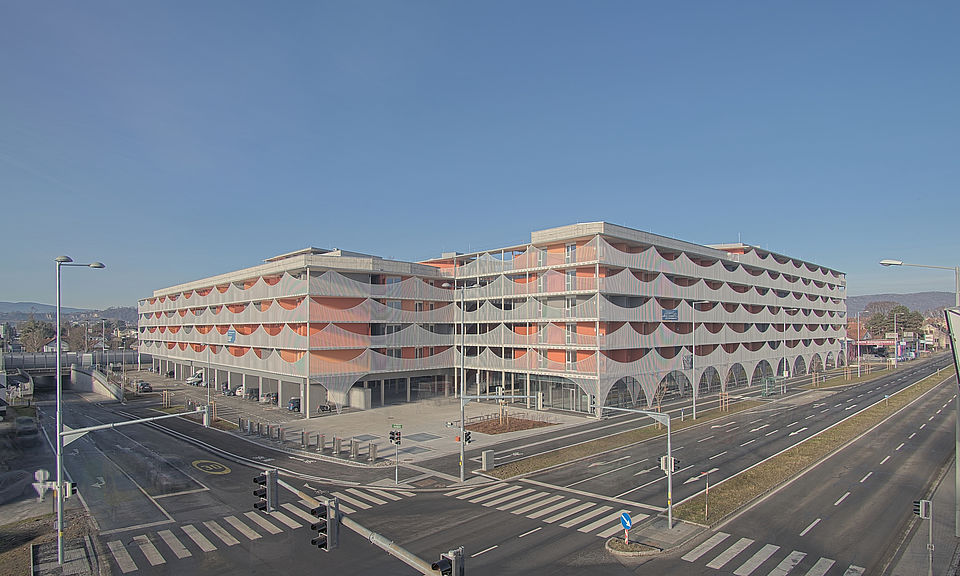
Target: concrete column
{"type": "Point", "coordinates": [281, 396]}
{"type": "Point", "coordinates": [527, 378]}
{"type": "Point", "coordinates": [408, 388]}
{"type": "Point", "coordinates": [383, 396]}
{"type": "Point", "coordinates": [305, 401]}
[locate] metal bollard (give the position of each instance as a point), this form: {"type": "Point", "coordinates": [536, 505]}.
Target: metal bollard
{"type": "Point", "coordinates": [281, 435]}
{"type": "Point", "coordinates": [303, 439]}
{"type": "Point", "coordinates": [372, 451]}
{"type": "Point", "coordinates": [321, 442]}
{"type": "Point", "coordinates": [337, 442]}
{"type": "Point", "coordinates": [354, 448]}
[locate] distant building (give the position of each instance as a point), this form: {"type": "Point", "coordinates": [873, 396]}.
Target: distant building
{"type": "Point", "coordinates": [582, 313]}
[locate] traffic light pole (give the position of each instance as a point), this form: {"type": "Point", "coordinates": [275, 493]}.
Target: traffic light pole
{"type": "Point", "coordinates": [663, 419]}
{"type": "Point", "coordinates": [464, 400]}
{"type": "Point", "coordinates": [382, 542]}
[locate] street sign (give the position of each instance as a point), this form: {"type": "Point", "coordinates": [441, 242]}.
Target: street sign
{"type": "Point", "coordinates": [231, 336]}
{"type": "Point", "coordinates": [397, 426]}
{"type": "Point", "coordinates": [669, 315]}
{"type": "Point", "coordinates": [626, 521]}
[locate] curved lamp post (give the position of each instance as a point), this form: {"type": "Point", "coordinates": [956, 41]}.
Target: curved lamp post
{"type": "Point", "coordinates": [956, 270]}
{"type": "Point", "coordinates": [62, 261]}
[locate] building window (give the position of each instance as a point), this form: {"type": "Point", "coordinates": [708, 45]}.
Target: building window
{"type": "Point", "coordinates": [571, 357]}
{"type": "Point", "coordinates": [418, 353]}
{"type": "Point", "coordinates": [395, 304]}
{"type": "Point", "coordinates": [571, 253]}
{"type": "Point", "coordinates": [418, 306]}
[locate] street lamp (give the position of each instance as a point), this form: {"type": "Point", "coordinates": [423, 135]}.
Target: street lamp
{"type": "Point", "coordinates": [693, 356]}
{"type": "Point", "coordinates": [956, 270]}
{"type": "Point", "coordinates": [62, 261]}
{"type": "Point", "coordinates": [896, 339]}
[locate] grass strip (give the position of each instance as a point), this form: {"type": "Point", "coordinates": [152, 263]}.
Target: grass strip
{"type": "Point", "coordinates": [841, 381]}
{"type": "Point", "coordinates": [737, 491]}
{"type": "Point", "coordinates": [619, 440]}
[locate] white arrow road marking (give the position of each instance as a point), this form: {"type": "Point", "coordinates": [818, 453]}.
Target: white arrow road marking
{"type": "Point", "coordinates": [100, 482]}
{"type": "Point", "coordinates": [760, 428]}
{"type": "Point", "coordinates": [795, 432]}
{"type": "Point", "coordinates": [610, 462]}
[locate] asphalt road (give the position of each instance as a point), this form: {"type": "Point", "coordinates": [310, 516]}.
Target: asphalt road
{"type": "Point", "coordinates": [845, 516]}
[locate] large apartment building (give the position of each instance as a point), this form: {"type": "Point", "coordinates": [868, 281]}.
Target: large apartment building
{"type": "Point", "coordinates": [584, 314]}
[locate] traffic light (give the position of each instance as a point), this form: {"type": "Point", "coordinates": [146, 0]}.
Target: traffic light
{"type": "Point", "coordinates": [466, 437]}
{"type": "Point", "coordinates": [669, 464]}
{"type": "Point", "coordinates": [69, 489]}
{"type": "Point", "coordinates": [450, 563]}
{"type": "Point", "coordinates": [327, 525]}
{"type": "Point", "coordinates": [393, 436]}
{"type": "Point", "coordinates": [922, 508]}
{"type": "Point", "coordinates": [267, 492]}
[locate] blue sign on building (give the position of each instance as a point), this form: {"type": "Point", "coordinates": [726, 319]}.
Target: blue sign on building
{"type": "Point", "coordinates": [231, 336]}
{"type": "Point", "coordinates": [669, 315]}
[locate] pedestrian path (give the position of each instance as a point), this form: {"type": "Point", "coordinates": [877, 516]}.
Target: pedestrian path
{"type": "Point", "coordinates": [746, 557]}
{"type": "Point", "coordinates": [561, 509]}
{"type": "Point", "coordinates": [187, 540]}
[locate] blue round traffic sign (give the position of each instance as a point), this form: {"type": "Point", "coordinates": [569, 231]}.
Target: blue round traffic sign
{"type": "Point", "coordinates": [626, 521]}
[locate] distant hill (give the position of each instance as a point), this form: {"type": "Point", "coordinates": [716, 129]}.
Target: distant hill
{"type": "Point", "coordinates": [929, 303]}
{"type": "Point", "coordinates": [36, 308]}
{"type": "Point", "coordinates": [20, 311]}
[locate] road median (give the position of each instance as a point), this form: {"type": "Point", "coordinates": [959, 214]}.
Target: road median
{"type": "Point", "coordinates": [567, 454]}
{"type": "Point", "coordinates": [733, 493]}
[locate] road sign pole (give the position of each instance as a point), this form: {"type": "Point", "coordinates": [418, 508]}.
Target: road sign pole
{"type": "Point", "coordinates": [669, 480]}
{"type": "Point", "coordinates": [930, 538]}
{"type": "Point", "coordinates": [396, 470]}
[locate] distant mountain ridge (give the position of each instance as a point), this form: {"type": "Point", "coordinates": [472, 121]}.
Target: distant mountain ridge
{"type": "Point", "coordinates": [927, 303]}
{"type": "Point", "coordinates": [20, 311]}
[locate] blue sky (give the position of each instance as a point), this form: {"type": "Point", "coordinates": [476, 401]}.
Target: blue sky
{"type": "Point", "coordinates": [176, 140]}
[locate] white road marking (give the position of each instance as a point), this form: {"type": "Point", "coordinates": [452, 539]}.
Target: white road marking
{"type": "Point", "coordinates": [536, 505]}
{"type": "Point", "coordinates": [795, 432]}
{"type": "Point", "coordinates": [854, 571]}
{"type": "Point", "coordinates": [366, 496]}
{"type": "Point", "coordinates": [120, 554]}
{"type": "Point", "coordinates": [484, 551]}
{"type": "Point", "coordinates": [242, 528]}
{"type": "Point", "coordinates": [584, 517]}
{"type": "Point", "coordinates": [354, 502]}
{"type": "Point", "coordinates": [728, 554]}
{"type": "Point", "coordinates": [263, 522]}
{"type": "Point", "coordinates": [479, 491]}
{"type": "Point", "coordinates": [922, 426]}
{"type": "Point", "coordinates": [864, 479]}
{"type": "Point", "coordinates": [569, 512]}
{"type": "Point", "coordinates": [748, 442]}
{"type": "Point", "coordinates": [824, 410]}
{"type": "Point", "coordinates": [884, 461]}
{"type": "Point", "coordinates": [772, 432]}
{"type": "Point", "coordinates": [809, 417]}
{"type": "Point", "coordinates": [756, 560]}
{"type": "Point", "coordinates": [149, 550]}
{"type": "Point", "coordinates": [290, 522]}
{"type": "Point", "coordinates": [508, 497]}
{"type": "Point", "coordinates": [810, 527]}
{"type": "Point", "coordinates": [617, 527]}
{"type": "Point", "coordinates": [298, 511]}
{"type": "Point", "coordinates": [553, 508]}
{"type": "Point", "coordinates": [821, 567]}
{"type": "Point", "coordinates": [717, 455]}
{"type": "Point", "coordinates": [178, 548]}
{"type": "Point", "coordinates": [897, 449]}
{"type": "Point", "coordinates": [198, 538]}
{"type": "Point", "coordinates": [601, 522]}
{"type": "Point", "coordinates": [842, 498]}
{"type": "Point", "coordinates": [705, 547]}
{"type": "Point", "coordinates": [931, 418]}
{"type": "Point", "coordinates": [220, 533]}
{"type": "Point", "coordinates": [530, 532]}
{"type": "Point", "coordinates": [522, 501]}
{"type": "Point", "coordinates": [495, 494]}
{"type": "Point", "coordinates": [912, 434]}
{"type": "Point", "coordinates": [850, 407]}
{"type": "Point", "coordinates": [788, 563]}
{"type": "Point", "coordinates": [385, 494]}
{"type": "Point", "coordinates": [705, 439]}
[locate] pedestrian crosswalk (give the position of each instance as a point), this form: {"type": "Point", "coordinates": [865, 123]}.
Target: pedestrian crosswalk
{"type": "Point", "coordinates": [563, 510]}
{"type": "Point", "coordinates": [746, 559]}
{"type": "Point", "coordinates": [186, 540]}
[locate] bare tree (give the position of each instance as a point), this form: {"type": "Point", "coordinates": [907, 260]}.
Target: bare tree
{"type": "Point", "coordinates": [34, 334]}
{"type": "Point", "coordinates": [75, 337]}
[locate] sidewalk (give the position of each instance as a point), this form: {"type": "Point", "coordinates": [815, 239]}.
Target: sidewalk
{"type": "Point", "coordinates": [915, 558]}
{"type": "Point", "coordinates": [429, 428]}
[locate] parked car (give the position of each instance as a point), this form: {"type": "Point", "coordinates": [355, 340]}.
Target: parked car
{"type": "Point", "coordinates": [26, 430]}
{"type": "Point", "coordinates": [228, 392]}
{"type": "Point", "coordinates": [269, 398]}
{"type": "Point", "coordinates": [141, 386]}
{"type": "Point", "coordinates": [169, 374]}
{"type": "Point", "coordinates": [252, 394]}
{"type": "Point", "coordinates": [324, 408]}
{"type": "Point", "coordinates": [293, 404]}
{"type": "Point", "coordinates": [196, 379]}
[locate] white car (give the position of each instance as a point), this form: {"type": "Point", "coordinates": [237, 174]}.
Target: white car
{"type": "Point", "coordinates": [196, 379]}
